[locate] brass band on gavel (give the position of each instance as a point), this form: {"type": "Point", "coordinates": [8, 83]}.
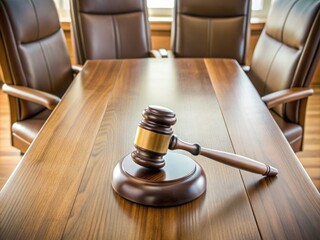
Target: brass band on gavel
{"type": "Point", "coordinates": [152, 141]}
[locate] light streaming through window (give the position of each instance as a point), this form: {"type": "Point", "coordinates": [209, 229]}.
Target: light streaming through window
{"type": "Point", "coordinates": [256, 4]}
{"type": "Point", "coordinates": [160, 3]}
{"type": "Point", "coordinates": [64, 7]}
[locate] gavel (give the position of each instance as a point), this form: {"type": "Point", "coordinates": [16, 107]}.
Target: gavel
{"type": "Point", "coordinates": [155, 136]}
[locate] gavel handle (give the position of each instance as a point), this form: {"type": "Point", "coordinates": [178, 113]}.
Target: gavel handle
{"type": "Point", "coordinates": [230, 159]}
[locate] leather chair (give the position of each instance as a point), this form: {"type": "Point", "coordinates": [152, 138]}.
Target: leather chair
{"type": "Point", "coordinates": [211, 28]}
{"type": "Point", "coordinates": [110, 29]}
{"type": "Point", "coordinates": [284, 61]}
{"type": "Point", "coordinates": [35, 63]}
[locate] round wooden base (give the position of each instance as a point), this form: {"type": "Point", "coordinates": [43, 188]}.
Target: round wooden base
{"type": "Point", "coordinates": [181, 180]}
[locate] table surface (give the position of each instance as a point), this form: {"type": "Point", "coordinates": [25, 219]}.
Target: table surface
{"type": "Point", "coordinates": [62, 186]}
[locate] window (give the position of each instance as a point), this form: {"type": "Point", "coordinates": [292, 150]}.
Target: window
{"type": "Point", "coordinates": [63, 8]}
{"type": "Point", "coordinates": [162, 9]}
{"type": "Point", "coordinates": [256, 4]}
{"type": "Point", "coordinates": [260, 8]}
{"type": "Point", "coordinates": [160, 3]}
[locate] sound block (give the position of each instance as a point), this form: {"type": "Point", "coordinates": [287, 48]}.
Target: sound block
{"type": "Point", "coordinates": [181, 180]}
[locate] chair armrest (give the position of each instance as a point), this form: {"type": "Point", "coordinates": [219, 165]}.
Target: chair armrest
{"type": "Point", "coordinates": [154, 54]}
{"type": "Point", "coordinates": [246, 68]}
{"type": "Point", "coordinates": [286, 96]}
{"type": "Point", "coordinates": [47, 100]}
{"type": "Point", "coordinates": [161, 53]}
{"type": "Point", "coordinates": [76, 68]}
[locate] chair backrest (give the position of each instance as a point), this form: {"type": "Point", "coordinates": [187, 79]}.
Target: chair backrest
{"type": "Point", "coordinates": [211, 28]}
{"type": "Point", "coordinates": [110, 29]}
{"type": "Point", "coordinates": [33, 51]}
{"type": "Point", "coordinates": [287, 52]}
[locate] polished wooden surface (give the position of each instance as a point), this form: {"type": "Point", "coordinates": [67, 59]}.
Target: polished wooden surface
{"type": "Point", "coordinates": [62, 187]}
{"type": "Point", "coordinates": [291, 191]}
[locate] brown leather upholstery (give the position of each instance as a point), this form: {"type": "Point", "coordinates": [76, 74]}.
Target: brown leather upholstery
{"type": "Point", "coordinates": [33, 54]}
{"type": "Point", "coordinates": [110, 29]}
{"type": "Point", "coordinates": [211, 28]}
{"type": "Point", "coordinates": [286, 57]}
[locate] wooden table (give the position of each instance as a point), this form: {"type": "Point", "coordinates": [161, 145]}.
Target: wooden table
{"type": "Point", "coordinates": [62, 186]}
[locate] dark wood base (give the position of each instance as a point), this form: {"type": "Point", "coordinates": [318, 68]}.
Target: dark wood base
{"type": "Point", "coordinates": [181, 180]}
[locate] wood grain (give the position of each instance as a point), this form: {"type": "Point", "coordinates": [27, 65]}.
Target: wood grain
{"type": "Point", "coordinates": [290, 199]}
{"type": "Point", "coordinates": [160, 35]}
{"type": "Point", "coordinates": [36, 202]}
{"type": "Point", "coordinates": [316, 79]}
{"type": "Point", "coordinates": [62, 188]}
{"type": "Point", "coordinates": [171, 84]}
{"type": "Point", "coordinates": [309, 157]}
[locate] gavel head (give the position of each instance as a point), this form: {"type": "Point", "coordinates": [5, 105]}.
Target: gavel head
{"type": "Point", "coordinates": [153, 136]}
